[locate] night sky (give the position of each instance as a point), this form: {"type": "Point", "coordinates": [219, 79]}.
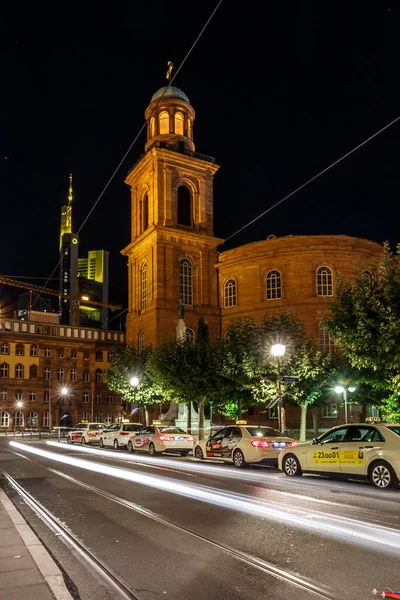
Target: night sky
{"type": "Point", "coordinates": [280, 90]}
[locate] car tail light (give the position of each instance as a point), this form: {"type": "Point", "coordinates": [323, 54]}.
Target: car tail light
{"type": "Point", "coordinates": [293, 443]}
{"type": "Point", "coordinates": [164, 438]}
{"type": "Point", "coordinates": [124, 433]}
{"type": "Point", "coordinates": [190, 438]}
{"type": "Point", "coordinates": [260, 444]}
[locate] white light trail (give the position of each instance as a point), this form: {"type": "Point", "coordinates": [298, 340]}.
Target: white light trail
{"type": "Point", "coordinates": [346, 529]}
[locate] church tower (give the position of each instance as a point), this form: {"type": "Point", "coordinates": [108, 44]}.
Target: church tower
{"type": "Point", "coordinates": [173, 251]}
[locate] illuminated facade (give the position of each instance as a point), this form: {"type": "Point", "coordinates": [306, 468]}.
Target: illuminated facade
{"type": "Point", "coordinates": [93, 273]}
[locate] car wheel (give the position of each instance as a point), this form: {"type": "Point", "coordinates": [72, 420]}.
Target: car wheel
{"type": "Point", "coordinates": [238, 459]}
{"type": "Point", "coordinates": [101, 443]}
{"type": "Point", "coordinates": [152, 450]}
{"type": "Point", "coordinates": [130, 446]}
{"type": "Point", "coordinates": [116, 446]}
{"type": "Point", "coordinates": [83, 441]}
{"type": "Point", "coordinates": [382, 476]}
{"type": "Point", "coordinates": [69, 440]}
{"type": "Point", "coordinates": [198, 453]}
{"type": "Point", "coordinates": [291, 466]}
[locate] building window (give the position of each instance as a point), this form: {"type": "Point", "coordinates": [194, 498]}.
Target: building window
{"type": "Point", "coordinates": [3, 395]}
{"type": "Point", "coordinates": [47, 352]}
{"type": "Point", "coordinates": [145, 213]}
{"type": "Point", "coordinates": [230, 293]}
{"type": "Point", "coordinates": [98, 418]}
{"type": "Point", "coordinates": [47, 373]}
{"type": "Point", "coordinates": [33, 350]}
{"type": "Point", "coordinates": [99, 376]}
{"type": "Point", "coordinates": [33, 371]}
{"type": "Point", "coordinates": [326, 341]}
{"type": "Point", "coordinates": [60, 353]}
{"type": "Point", "coordinates": [85, 416]}
{"type": "Point", "coordinates": [120, 416]}
{"type": "Point", "coordinates": [324, 282]}
{"type": "Point", "coordinates": [86, 376]}
{"type": "Point", "coordinates": [32, 420]}
{"type": "Point", "coordinates": [273, 285]}
{"type": "Point", "coordinates": [4, 370]}
{"type": "Point", "coordinates": [60, 374]}
{"type": "Point", "coordinates": [110, 357]}
{"type": "Point", "coordinates": [86, 355]}
{"type": "Point", "coordinates": [46, 396]}
{"type": "Point", "coordinates": [152, 127]}
{"type": "Point", "coordinates": [32, 396]}
{"type": "Point", "coordinates": [98, 398]}
{"type": "Point", "coordinates": [109, 419]}
{"type": "Point", "coordinates": [141, 341]}
{"type": "Point", "coordinates": [143, 286]}
{"type": "Point", "coordinates": [46, 419]}
{"type": "Point", "coordinates": [20, 350]}
{"type": "Point", "coordinates": [85, 397]}
{"type": "Point", "coordinates": [186, 282]}
{"type": "Point", "coordinates": [74, 353]}
{"type": "Point", "coordinates": [109, 399]}
{"type": "Point", "coordinates": [18, 419]}
{"type": "Point", "coordinates": [190, 335]}
{"type": "Point", "coordinates": [18, 396]}
{"type": "Point", "coordinates": [99, 355]}
{"type": "Point", "coordinates": [5, 419]}
{"type": "Point", "coordinates": [73, 374]}
{"type": "Point", "coordinates": [19, 371]}
{"type": "Point", "coordinates": [163, 122]}
{"type": "Point", "coordinates": [273, 412]}
{"type": "Point", "coordinates": [329, 411]}
{"type": "Point", "coordinates": [5, 348]}
{"type": "Point", "coordinates": [184, 199]}
{"type": "Point", "coordinates": [179, 124]}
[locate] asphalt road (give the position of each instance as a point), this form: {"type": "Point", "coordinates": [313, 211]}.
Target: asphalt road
{"type": "Point", "coordinates": [176, 528]}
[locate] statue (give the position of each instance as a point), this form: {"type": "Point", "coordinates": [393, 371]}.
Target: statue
{"type": "Point", "coordinates": [181, 309]}
{"type": "Point", "coordinates": [169, 71]}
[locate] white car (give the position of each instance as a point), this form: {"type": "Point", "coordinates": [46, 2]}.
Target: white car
{"type": "Point", "coordinates": [162, 438]}
{"type": "Point", "coordinates": [86, 433]}
{"type": "Point", "coordinates": [119, 434]}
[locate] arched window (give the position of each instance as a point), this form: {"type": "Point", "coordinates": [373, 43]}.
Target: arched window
{"type": "Point", "coordinates": [19, 371]}
{"type": "Point", "coordinates": [163, 122]}
{"type": "Point", "coordinates": [46, 419]}
{"type": "Point", "coordinates": [85, 397]}
{"type": "Point", "coordinates": [33, 350]}
{"type": "Point", "coordinates": [32, 420]}
{"type": "Point", "coordinates": [179, 124]}
{"type": "Point", "coordinates": [143, 286]}
{"type": "Point", "coordinates": [186, 282]}
{"type": "Point", "coordinates": [85, 416]}
{"type": "Point", "coordinates": [326, 341]}
{"type": "Point", "coordinates": [184, 206]}
{"type": "Point", "coordinates": [120, 417]}
{"type": "Point", "coordinates": [99, 376]}
{"type": "Point", "coordinates": [98, 418]}
{"type": "Point", "coordinates": [226, 335]}
{"type": "Point", "coordinates": [141, 341]}
{"type": "Point", "coordinates": [4, 370]}
{"type": "Point", "coordinates": [20, 350]}
{"type": "Point", "coordinates": [5, 419]}
{"type": "Point", "coordinates": [189, 129]}
{"type": "Point", "coordinates": [73, 374]}
{"type": "Point", "coordinates": [32, 396]}
{"type": "Point", "coordinates": [145, 213]}
{"type": "Point", "coordinates": [110, 357]}
{"type": "Point", "coordinates": [18, 419]}
{"type": "Point", "coordinates": [109, 419]}
{"type": "Point", "coordinates": [273, 285]}
{"type": "Point", "coordinates": [5, 348]}
{"type": "Point", "coordinates": [190, 335]}
{"type": "Point", "coordinates": [324, 282]}
{"type": "Point", "coordinates": [230, 293]}
{"type": "Point", "coordinates": [152, 127]}
{"type": "Point", "coordinates": [33, 370]}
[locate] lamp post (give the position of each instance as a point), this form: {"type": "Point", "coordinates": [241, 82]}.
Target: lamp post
{"type": "Point", "coordinates": [278, 350]}
{"type": "Point", "coordinates": [339, 389]}
{"type": "Point", "coordinates": [134, 384]}
{"type": "Point", "coordinates": [19, 406]}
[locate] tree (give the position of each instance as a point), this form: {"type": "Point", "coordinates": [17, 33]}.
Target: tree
{"type": "Point", "coordinates": [364, 319]}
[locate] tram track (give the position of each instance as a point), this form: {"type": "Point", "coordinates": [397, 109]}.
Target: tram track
{"type": "Point", "coordinates": [128, 593]}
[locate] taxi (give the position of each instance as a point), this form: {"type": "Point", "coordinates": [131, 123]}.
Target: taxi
{"type": "Point", "coordinates": [119, 434]}
{"type": "Point", "coordinates": [368, 450]}
{"type": "Point", "coordinates": [243, 444]}
{"type": "Point", "coordinates": [159, 438]}
{"type": "Point", "coordinates": [86, 433]}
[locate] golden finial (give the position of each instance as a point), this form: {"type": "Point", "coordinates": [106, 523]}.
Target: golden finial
{"type": "Point", "coordinates": [169, 70]}
{"type": "Point", "coordinates": [70, 192]}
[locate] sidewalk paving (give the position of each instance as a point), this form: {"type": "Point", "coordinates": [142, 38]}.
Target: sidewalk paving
{"type": "Point", "coordinates": [27, 571]}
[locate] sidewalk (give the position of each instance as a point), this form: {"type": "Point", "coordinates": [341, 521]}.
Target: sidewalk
{"type": "Point", "coordinates": [27, 571]}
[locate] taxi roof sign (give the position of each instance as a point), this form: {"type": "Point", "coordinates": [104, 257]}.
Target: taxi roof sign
{"type": "Point", "coordinates": [85, 421]}
{"type": "Point", "coordinates": [241, 422]}
{"type": "Point", "coordinates": [156, 422]}
{"type": "Point", "coordinates": [372, 420]}
{"type": "Point", "coordinates": [125, 421]}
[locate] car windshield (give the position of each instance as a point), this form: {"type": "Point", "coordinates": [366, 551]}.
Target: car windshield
{"type": "Point", "coordinates": [264, 432]}
{"type": "Point", "coordinates": [171, 430]}
{"type": "Point", "coordinates": [131, 427]}
{"type": "Point", "coordinates": [395, 429]}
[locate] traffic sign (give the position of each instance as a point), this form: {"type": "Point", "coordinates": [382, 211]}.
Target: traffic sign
{"type": "Point", "coordinates": [290, 379]}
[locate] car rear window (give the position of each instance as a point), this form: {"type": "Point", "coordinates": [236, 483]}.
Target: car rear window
{"type": "Point", "coordinates": [264, 432]}
{"type": "Point", "coordinates": [395, 429]}
{"type": "Point", "coordinates": [171, 430]}
{"type": "Point", "coordinates": [131, 427]}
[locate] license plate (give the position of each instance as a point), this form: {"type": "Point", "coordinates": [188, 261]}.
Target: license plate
{"type": "Point", "coordinates": [179, 439]}
{"type": "Point", "coordinates": [279, 444]}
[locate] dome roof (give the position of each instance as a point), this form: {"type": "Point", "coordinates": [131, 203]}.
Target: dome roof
{"type": "Point", "coordinates": [170, 91]}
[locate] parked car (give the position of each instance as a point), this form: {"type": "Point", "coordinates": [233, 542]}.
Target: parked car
{"type": "Point", "coordinates": [86, 433]}
{"type": "Point", "coordinates": [368, 451]}
{"type": "Point", "coordinates": [243, 444]}
{"type": "Point", "coordinates": [119, 434]}
{"type": "Point", "coordinates": [158, 438]}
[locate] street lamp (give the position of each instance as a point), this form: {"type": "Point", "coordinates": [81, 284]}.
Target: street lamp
{"type": "Point", "coordinates": [19, 406]}
{"type": "Point", "coordinates": [278, 350]}
{"type": "Point", "coordinates": [134, 384]}
{"type": "Point", "coordinates": [339, 389]}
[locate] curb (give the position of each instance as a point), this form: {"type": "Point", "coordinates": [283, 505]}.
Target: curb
{"type": "Point", "coordinates": [46, 565]}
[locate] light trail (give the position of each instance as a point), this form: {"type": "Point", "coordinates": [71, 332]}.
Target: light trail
{"type": "Point", "coordinates": [377, 537]}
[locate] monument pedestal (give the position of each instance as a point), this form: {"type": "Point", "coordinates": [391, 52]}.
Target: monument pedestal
{"type": "Point", "coordinates": [181, 421]}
